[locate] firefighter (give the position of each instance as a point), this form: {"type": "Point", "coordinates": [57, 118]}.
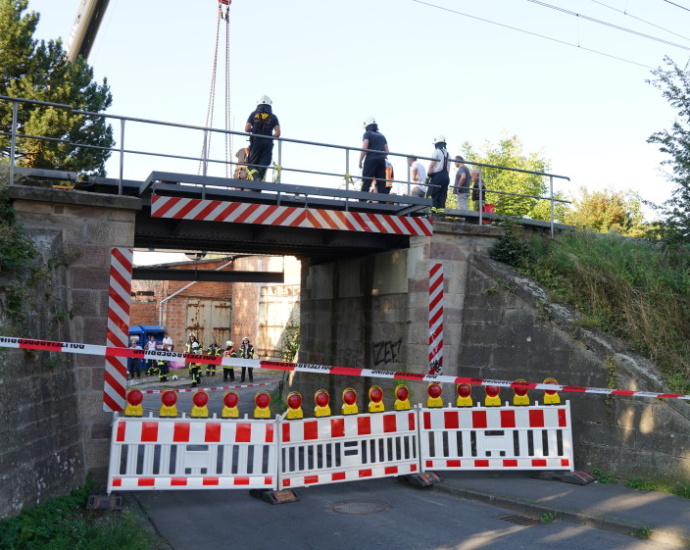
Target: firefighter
{"type": "Point", "coordinates": [163, 367]}
{"type": "Point", "coordinates": [229, 351]}
{"type": "Point", "coordinates": [247, 352]}
{"type": "Point", "coordinates": [215, 350]}
{"type": "Point", "coordinates": [193, 346]}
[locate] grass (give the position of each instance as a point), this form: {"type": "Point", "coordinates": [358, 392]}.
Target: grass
{"type": "Point", "coordinates": [629, 288]}
{"type": "Point", "coordinates": [65, 524]}
{"type": "Point", "coordinates": [681, 490]}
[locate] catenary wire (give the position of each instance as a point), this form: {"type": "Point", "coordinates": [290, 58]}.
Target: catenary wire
{"type": "Point", "coordinates": [611, 25]}
{"type": "Point", "coordinates": [641, 19]}
{"type": "Point", "coordinates": [677, 5]}
{"type": "Point", "coordinates": [533, 34]}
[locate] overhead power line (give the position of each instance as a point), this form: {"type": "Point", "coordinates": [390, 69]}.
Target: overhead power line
{"type": "Point", "coordinates": [611, 25]}
{"type": "Point", "coordinates": [532, 33]}
{"type": "Point", "coordinates": [677, 5]}
{"type": "Point", "coordinates": [640, 19]}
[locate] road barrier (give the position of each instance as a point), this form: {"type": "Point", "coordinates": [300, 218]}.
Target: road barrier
{"type": "Point", "coordinates": [162, 453]}
{"type": "Point", "coordinates": [232, 453]}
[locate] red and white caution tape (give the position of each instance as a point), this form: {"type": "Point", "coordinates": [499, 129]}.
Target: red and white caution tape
{"type": "Point", "coordinates": [209, 389]}
{"type": "Point", "coordinates": [91, 349]}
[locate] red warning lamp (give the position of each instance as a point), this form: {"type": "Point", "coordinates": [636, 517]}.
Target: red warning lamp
{"type": "Point", "coordinates": [350, 397]}
{"type": "Point", "coordinates": [262, 399]}
{"type": "Point", "coordinates": [492, 391]}
{"type": "Point", "coordinates": [402, 393]}
{"type": "Point", "coordinates": [231, 399]}
{"type": "Point", "coordinates": [169, 398]}
{"type": "Point", "coordinates": [551, 381]}
{"type": "Point", "coordinates": [200, 399]}
{"type": "Point", "coordinates": [168, 407]}
{"type": "Point", "coordinates": [376, 394]}
{"type": "Point", "coordinates": [434, 390]}
{"type": "Point", "coordinates": [551, 397]}
{"type": "Point", "coordinates": [294, 400]}
{"type": "Point", "coordinates": [464, 390]}
{"type": "Point", "coordinates": [135, 397]}
{"type": "Point", "coordinates": [294, 403]}
{"type": "Point", "coordinates": [322, 398]}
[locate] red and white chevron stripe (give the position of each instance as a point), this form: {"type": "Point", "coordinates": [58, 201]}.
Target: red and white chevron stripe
{"type": "Point", "coordinates": [436, 319]}
{"type": "Point", "coordinates": [287, 216]}
{"type": "Point", "coordinates": [114, 387]}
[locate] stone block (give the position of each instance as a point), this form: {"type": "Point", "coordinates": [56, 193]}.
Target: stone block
{"type": "Point", "coordinates": [90, 278]}
{"type": "Point", "coordinates": [87, 303]}
{"type": "Point", "coordinates": [474, 356]}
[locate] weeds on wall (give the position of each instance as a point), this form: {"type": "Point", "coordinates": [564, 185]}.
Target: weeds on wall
{"type": "Point", "coordinates": [629, 288]}
{"type": "Point", "coordinates": [64, 524]}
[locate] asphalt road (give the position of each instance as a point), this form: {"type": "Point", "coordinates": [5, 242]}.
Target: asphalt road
{"type": "Point", "coordinates": [383, 513]}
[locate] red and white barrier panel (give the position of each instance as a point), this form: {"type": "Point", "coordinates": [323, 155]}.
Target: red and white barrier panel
{"type": "Point", "coordinates": [515, 438]}
{"type": "Point", "coordinates": [347, 448]}
{"type": "Point", "coordinates": [115, 377]}
{"type": "Point", "coordinates": [91, 349]}
{"type": "Point", "coordinates": [436, 319]}
{"type": "Point", "coordinates": [192, 454]}
{"type": "Point", "coordinates": [286, 216]}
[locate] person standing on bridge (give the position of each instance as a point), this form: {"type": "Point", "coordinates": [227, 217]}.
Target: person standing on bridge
{"type": "Point", "coordinates": [462, 183]}
{"type": "Point", "coordinates": [372, 159]}
{"type": "Point", "coordinates": [417, 176]}
{"type": "Point", "coordinates": [261, 122]}
{"type": "Point", "coordinates": [438, 178]}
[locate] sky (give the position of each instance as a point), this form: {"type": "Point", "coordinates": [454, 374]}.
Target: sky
{"type": "Point", "coordinates": [453, 67]}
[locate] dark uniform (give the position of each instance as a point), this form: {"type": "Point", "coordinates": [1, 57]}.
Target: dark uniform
{"type": "Point", "coordinates": [247, 352]}
{"type": "Point", "coordinates": [261, 122]}
{"type": "Point", "coordinates": [228, 371]}
{"type": "Point", "coordinates": [193, 346]}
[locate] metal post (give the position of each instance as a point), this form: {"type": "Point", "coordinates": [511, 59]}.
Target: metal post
{"type": "Point", "coordinates": [552, 205]}
{"type": "Point", "coordinates": [122, 155]}
{"type": "Point", "coordinates": [280, 160]}
{"type": "Point", "coordinates": [205, 154]}
{"type": "Point", "coordinates": [13, 139]}
{"type": "Point", "coordinates": [480, 205]}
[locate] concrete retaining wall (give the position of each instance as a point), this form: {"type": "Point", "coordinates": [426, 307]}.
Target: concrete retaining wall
{"type": "Point", "coordinates": [53, 428]}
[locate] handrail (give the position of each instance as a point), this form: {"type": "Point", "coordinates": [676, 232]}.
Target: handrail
{"type": "Point", "coordinates": [279, 168]}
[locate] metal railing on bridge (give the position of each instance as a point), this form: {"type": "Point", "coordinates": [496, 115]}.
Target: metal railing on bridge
{"type": "Point", "coordinates": [203, 172]}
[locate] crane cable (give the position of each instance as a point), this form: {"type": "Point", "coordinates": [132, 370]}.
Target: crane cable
{"type": "Point", "coordinates": [206, 147]}
{"type": "Point", "coordinates": [228, 120]}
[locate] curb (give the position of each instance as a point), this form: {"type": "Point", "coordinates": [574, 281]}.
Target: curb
{"type": "Point", "coordinates": [606, 523]}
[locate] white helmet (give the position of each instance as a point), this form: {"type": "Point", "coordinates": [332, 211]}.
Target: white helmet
{"type": "Point", "coordinates": [229, 343]}
{"type": "Point", "coordinates": [439, 138]}
{"type": "Point", "coordinates": [369, 120]}
{"type": "Point", "coordinates": [245, 338]}
{"type": "Point", "coordinates": [264, 100]}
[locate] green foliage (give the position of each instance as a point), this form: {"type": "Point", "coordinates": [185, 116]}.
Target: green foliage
{"type": "Point", "coordinates": [643, 532]}
{"type": "Point", "coordinates": [510, 249]}
{"type": "Point", "coordinates": [632, 289]}
{"type": "Point", "coordinates": [548, 517]}
{"type": "Point", "coordinates": [606, 211]}
{"type": "Point", "coordinates": [641, 484]}
{"type": "Point", "coordinates": [509, 153]}
{"type": "Point", "coordinates": [603, 477]}
{"type": "Point", "coordinates": [682, 490]}
{"type": "Point", "coordinates": [40, 71]}
{"type": "Point", "coordinates": [674, 84]}
{"type": "Point", "coordinates": [64, 524]}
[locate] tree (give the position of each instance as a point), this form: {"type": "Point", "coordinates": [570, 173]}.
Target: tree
{"type": "Point", "coordinates": [509, 153]}
{"type": "Point", "coordinates": [674, 84]}
{"type": "Point", "coordinates": [606, 211]}
{"type": "Point", "coordinates": [39, 71]}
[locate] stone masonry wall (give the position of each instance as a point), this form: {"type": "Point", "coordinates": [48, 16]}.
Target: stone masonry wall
{"type": "Point", "coordinates": [84, 227]}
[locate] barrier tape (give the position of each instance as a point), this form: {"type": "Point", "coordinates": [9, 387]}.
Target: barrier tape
{"type": "Point", "coordinates": [212, 388]}
{"type": "Point", "coordinates": [92, 349]}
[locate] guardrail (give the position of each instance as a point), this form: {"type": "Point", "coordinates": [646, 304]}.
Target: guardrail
{"type": "Point", "coordinates": [149, 131]}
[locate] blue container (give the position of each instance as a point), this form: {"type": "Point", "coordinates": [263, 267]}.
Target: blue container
{"type": "Point", "coordinates": [144, 331]}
